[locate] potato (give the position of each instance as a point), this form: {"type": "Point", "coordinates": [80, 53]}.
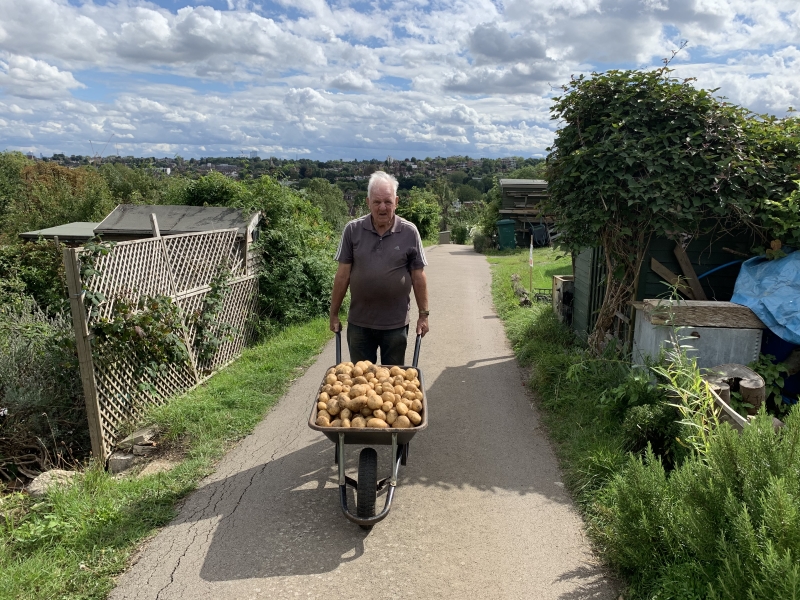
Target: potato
{"type": "Point", "coordinates": [408, 395]}
{"type": "Point", "coordinates": [399, 390]}
{"type": "Point", "coordinates": [387, 406]}
{"type": "Point", "coordinates": [345, 414]}
{"type": "Point", "coordinates": [372, 368]}
{"type": "Point", "coordinates": [358, 422]}
{"type": "Point", "coordinates": [322, 406]}
{"type": "Point", "coordinates": [343, 399]}
{"type": "Point", "coordinates": [323, 422]}
{"type": "Point", "coordinates": [336, 423]}
{"type": "Point", "coordinates": [360, 379]}
{"type": "Point", "coordinates": [361, 365]}
{"type": "Point", "coordinates": [324, 413]}
{"type": "Point", "coordinates": [418, 395]}
{"type": "Point", "coordinates": [340, 377]}
{"type": "Point", "coordinates": [349, 364]}
{"type": "Point", "coordinates": [358, 390]}
{"type": "Point", "coordinates": [417, 383]}
{"type": "Point", "coordinates": [370, 376]}
{"type": "Point", "coordinates": [328, 389]}
{"type": "Point", "coordinates": [331, 371]}
{"type": "Point", "coordinates": [377, 423]}
{"type": "Point", "coordinates": [366, 412]}
{"type": "Point", "coordinates": [401, 408]}
{"type": "Point", "coordinates": [398, 380]}
{"type": "Point", "coordinates": [397, 398]}
{"type": "Point", "coordinates": [341, 369]}
{"type": "Point", "coordinates": [379, 414]}
{"type": "Point", "coordinates": [374, 402]}
{"type": "Point", "coordinates": [331, 379]}
{"type": "Point", "coordinates": [346, 390]}
{"type": "Point", "coordinates": [357, 403]}
{"type": "Point", "coordinates": [348, 382]}
{"type": "Point", "coordinates": [402, 422]}
{"type": "Point", "coordinates": [394, 371]}
{"type": "Point", "coordinates": [323, 397]}
{"type": "Point", "coordinates": [391, 416]}
{"type": "Point", "coordinates": [333, 407]}
{"type": "Point", "coordinates": [411, 374]}
{"type": "Point", "coordinates": [388, 397]}
{"type": "Point", "coordinates": [416, 406]}
{"type": "Point", "coordinates": [382, 372]}
{"type": "Point", "coordinates": [345, 422]}
{"type": "Point", "coordinates": [336, 389]}
{"type": "Point", "coordinates": [357, 371]}
{"type": "Point", "coordinates": [414, 417]}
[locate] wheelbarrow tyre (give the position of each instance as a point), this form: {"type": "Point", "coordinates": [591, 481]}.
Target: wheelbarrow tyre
{"type": "Point", "coordinates": [367, 492]}
{"type": "Point", "coordinates": [404, 455]}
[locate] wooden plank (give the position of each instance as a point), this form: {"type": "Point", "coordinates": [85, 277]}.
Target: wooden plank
{"type": "Point", "coordinates": [83, 346]}
{"type": "Point", "coordinates": [701, 313]}
{"type": "Point", "coordinates": [671, 278]}
{"type": "Point", "coordinates": [688, 273]}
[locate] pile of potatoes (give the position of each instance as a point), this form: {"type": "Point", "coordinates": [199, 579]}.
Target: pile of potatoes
{"type": "Point", "coordinates": [368, 395]}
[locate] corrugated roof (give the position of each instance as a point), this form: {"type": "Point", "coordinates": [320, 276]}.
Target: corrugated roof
{"type": "Point", "coordinates": [131, 219]}
{"type": "Point", "coordinates": [523, 182]}
{"type": "Point", "coordinates": [79, 231]}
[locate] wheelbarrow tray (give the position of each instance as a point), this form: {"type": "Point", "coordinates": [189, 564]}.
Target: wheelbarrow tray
{"type": "Point", "coordinates": [369, 436]}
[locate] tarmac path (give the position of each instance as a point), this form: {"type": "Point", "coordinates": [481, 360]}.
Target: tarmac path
{"type": "Point", "coordinates": [480, 511]}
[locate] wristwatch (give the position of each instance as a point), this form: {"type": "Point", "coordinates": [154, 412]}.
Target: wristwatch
{"type": "Point", "coordinates": [424, 313]}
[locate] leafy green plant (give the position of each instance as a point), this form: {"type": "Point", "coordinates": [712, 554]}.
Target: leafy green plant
{"type": "Point", "coordinates": [772, 373]}
{"type": "Point", "coordinates": [459, 234]}
{"type": "Point", "coordinates": [210, 333]}
{"type": "Point", "coordinates": [659, 157]}
{"type": "Point", "coordinates": [421, 207]}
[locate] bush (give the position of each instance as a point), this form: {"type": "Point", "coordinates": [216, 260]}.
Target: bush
{"type": "Point", "coordinates": [297, 247]}
{"type": "Point", "coordinates": [731, 514]}
{"type": "Point", "coordinates": [33, 269]}
{"type": "Point", "coordinates": [43, 420]}
{"type": "Point", "coordinates": [421, 208]}
{"type": "Point", "coordinates": [459, 234]}
{"type": "Point", "coordinates": [481, 242]}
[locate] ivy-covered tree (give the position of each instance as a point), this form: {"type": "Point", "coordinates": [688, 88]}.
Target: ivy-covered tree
{"type": "Point", "coordinates": [642, 154]}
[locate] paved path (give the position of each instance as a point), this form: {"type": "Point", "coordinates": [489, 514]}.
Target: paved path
{"type": "Point", "coordinates": [480, 511]}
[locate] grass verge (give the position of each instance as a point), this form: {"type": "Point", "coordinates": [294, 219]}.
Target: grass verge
{"type": "Point", "coordinates": [71, 543]}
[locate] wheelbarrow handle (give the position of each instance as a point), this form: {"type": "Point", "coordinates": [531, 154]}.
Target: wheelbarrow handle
{"type": "Point", "coordinates": [414, 363]}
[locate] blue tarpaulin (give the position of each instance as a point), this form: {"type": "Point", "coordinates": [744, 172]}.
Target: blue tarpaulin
{"type": "Point", "coordinates": [771, 289]}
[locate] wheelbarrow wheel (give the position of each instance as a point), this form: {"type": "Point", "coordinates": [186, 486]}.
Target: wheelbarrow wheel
{"type": "Point", "coordinates": [367, 492]}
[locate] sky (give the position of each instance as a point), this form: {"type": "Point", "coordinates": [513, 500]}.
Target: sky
{"type": "Point", "coordinates": [357, 79]}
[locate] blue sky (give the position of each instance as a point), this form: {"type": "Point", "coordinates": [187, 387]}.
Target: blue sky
{"type": "Point", "coordinates": [357, 79]}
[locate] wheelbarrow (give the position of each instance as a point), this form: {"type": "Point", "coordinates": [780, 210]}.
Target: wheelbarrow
{"type": "Point", "coordinates": [367, 486]}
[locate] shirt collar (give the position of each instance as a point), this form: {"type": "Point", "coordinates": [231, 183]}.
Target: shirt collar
{"type": "Point", "coordinates": [396, 226]}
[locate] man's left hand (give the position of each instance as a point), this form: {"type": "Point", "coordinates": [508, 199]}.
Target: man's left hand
{"type": "Point", "coordinates": [422, 326]}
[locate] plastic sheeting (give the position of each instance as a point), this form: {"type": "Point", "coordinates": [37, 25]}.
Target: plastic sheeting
{"type": "Point", "coordinates": [771, 289]}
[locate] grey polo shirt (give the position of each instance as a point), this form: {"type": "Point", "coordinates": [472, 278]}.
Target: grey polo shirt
{"type": "Point", "coordinates": [380, 276]}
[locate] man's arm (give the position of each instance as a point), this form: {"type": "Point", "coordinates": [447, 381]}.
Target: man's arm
{"type": "Point", "coordinates": [420, 284]}
{"type": "Point", "coordinates": [340, 284]}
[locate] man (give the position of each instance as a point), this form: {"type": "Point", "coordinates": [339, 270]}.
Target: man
{"type": "Point", "coordinates": [380, 259]}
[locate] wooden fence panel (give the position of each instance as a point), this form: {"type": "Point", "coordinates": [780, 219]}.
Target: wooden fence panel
{"type": "Point", "coordinates": [182, 268]}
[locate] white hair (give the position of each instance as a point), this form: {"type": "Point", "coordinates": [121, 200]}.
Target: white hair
{"type": "Point", "coordinates": [379, 177]}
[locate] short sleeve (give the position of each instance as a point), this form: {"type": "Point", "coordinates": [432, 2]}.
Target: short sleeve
{"type": "Point", "coordinates": [418, 259]}
{"type": "Point", "coordinates": [344, 254]}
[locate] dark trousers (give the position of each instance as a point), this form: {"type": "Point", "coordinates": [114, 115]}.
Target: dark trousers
{"type": "Point", "coordinates": [364, 342]}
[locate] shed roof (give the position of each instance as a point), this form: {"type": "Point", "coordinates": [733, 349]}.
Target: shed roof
{"type": "Point", "coordinates": [133, 219]}
{"type": "Point", "coordinates": [79, 231]}
{"type": "Point", "coordinates": [523, 183]}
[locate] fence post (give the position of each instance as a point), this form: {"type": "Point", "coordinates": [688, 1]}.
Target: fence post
{"type": "Point", "coordinates": [157, 234]}
{"type": "Point", "coordinates": [84, 348]}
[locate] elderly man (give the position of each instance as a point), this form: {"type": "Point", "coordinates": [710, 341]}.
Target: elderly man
{"type": "Point", "coordinates": [380, 259]}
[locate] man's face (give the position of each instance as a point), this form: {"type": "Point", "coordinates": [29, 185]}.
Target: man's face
{"type": "Point", "coordinates": [382, 204]}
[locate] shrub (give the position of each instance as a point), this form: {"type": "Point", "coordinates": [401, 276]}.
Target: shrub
{"type": "Point", "coordinates": [33, 269]}
{"type": "Point", "coordinates": [421, 208]}
{"type": "Point", "coordinates": [481, 242]}
{"type": "Point", "coordinates": [297, 248]}
{"type": "Point", "coordinates": [43, 420]}
{"type": "Point", "coordinates": [459, 234]}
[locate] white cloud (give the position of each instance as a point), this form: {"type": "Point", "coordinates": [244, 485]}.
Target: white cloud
{"type": "Point", "coordinates": [409, 76]}
{"type": "Point", "coordinates": [27, 77]}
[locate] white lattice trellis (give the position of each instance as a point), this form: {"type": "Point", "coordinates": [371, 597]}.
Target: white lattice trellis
{"type": "Point", "coordinates": [181, 267]}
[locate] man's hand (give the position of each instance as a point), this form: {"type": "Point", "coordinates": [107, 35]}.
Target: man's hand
{"type": "Point", "coordinates": [335, 323]}
{"type": "Point", "coordinates": [422, 326]}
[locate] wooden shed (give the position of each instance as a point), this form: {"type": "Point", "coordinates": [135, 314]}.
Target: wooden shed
{"type": "Point", "coordinates": [521, 201]}
{"type": "Point", "coordinates": [715, 260]}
